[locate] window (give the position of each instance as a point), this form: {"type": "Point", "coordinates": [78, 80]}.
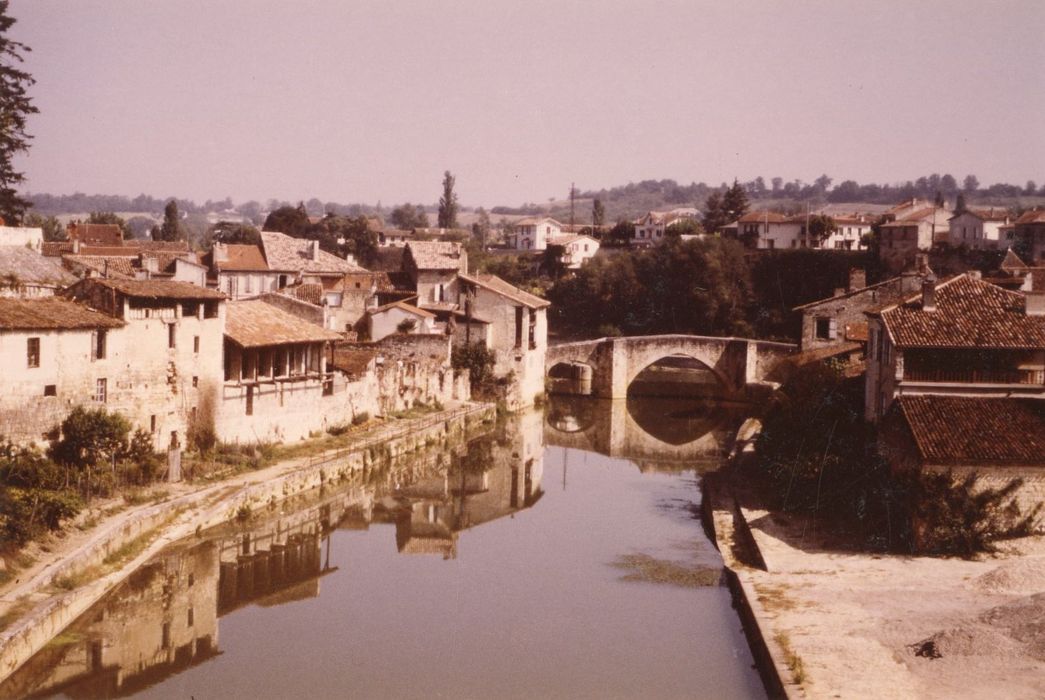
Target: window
{"type": "Point", "coordinates": [165, 638]}
{"type": "Point", "coordinates": [32, 352]}
{"type": "Point", "coordinates": [771, 244]}
{"type": "Point", "coordinates": [101, 390]}
{"type": "Point", "coordinates": [171, 336]}
{"type": "Point", "coordinates": [196, 344]}
{"type": "Point", "coordinates": [189, 616]}
{"type": "Point", "coordinates": [195, 382]}
{"type": "Point", "coordinates": [152, 423]}
{"type": "Point", "coordinates": [826, 328]}
{"type": "Point", "coordinates": [210, 309]}
{"type": "Point", "coordinates": [50, 390]}
{"type": "Point", "coordinates": [98, 342]}
{"type": "Point", "coordinates": [518, 326]}
{"type": "Point", "coordinates": [248, 284]}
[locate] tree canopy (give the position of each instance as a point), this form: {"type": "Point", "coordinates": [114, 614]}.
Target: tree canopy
{"type": "Point", "coordinates": [408, 216]}
{"type": "Point", "coordinates": [171, 228]}
{"type": "Point", "coordinates": [15, 108]}
{"type": "Point", "coordinates": [448, 203]}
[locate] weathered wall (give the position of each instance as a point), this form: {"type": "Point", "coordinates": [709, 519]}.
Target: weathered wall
{"type": "Point", "coordinates": [524, 363]}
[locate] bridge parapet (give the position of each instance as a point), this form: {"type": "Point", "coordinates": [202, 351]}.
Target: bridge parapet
{"type": "Point", "coordinates": [737, 362]}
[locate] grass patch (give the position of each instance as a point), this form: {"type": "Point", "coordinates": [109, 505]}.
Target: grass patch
{"type": "Point", "coordinates": [792, 659]}
{"type": "Point", "coordinates": [773, 598]}
{"type": "Point", "coordinates": [66, 638]}
{"type": "Point", "coordinates": [642, 567]}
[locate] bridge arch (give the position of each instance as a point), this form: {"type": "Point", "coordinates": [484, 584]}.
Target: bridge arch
{"type": "Point", "coordinates": [680, 362]}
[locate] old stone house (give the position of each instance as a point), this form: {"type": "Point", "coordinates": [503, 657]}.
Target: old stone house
{"type": "Point", "coordinates": [517, 332]}
{"type": "Point", "coordinates": [299, 260]}
{"type": "Point", "coordinates": [240, 271]}
{"type": "Point", "coordinates": [577, 249]}
{"type": "Point", "coordinates": [167, 357]}
{"type": "Point", "coordinates": [26, 274]}
{"type": "Point", "coordinates": [981, 229]}
{"type": "Point", "coordinates": [901, 239]}
{"type": "Point", "coordinates": [385, 320]}
{"type": "Point", "coordinates": [56, 355]}
{"type": "Point", "coordinates": [963, 336]}
{"type": "Point", "coordinates": [433, 268]}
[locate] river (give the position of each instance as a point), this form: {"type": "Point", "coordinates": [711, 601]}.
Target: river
{"type": "Point", "coordinates": [559, 556]}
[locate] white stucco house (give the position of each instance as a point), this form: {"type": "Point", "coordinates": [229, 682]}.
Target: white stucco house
{"type": "Point", "coordinates": [533, 233]}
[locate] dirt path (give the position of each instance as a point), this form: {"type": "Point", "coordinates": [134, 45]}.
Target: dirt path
{"type": "Point", "coordinates": [904, 627]}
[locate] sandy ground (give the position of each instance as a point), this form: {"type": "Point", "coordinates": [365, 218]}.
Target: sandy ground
{"type": "Point", "coordinates": [883, 626]}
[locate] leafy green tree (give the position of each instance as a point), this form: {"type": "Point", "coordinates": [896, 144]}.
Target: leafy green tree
{"type": "Point", "coordinates": [448, 203]}
{"type": "Point", "coordinates": [234, 232]}
{"type": "Point", "coordinates": [15, 108]}
{"type": "Point", "coordinates": [33, 497]}
{"type": "Point", "coordinates": [685, 227]}
{"type": "Point", "coordinates": [481, 228]}
{"type": "Point", "coordinates": [408, 217]}
{"type": "Point", "coordinates": [821, 226]}
{"type": "Point", "coordinates": [622, 232]}
{"type": "Point", "coordinates": [292, 221]}
{"type": "Point", "coordinates": [971, 184]}
{"type": "Point", "coordinates": [52, 227]}
{"type": "Point", "coordinates": [171, 228]}
{"type": "Point", "coordinates": [478, 361]}
{"type": "Point", "coordinates": [89, 439]}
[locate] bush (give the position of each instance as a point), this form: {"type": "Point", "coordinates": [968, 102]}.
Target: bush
{"type": "Point", "coordinates": [33, 495]}
{"type": "Point", "coordinates": [360, 418]}
{"type": "Point", "coordinates": [477, 360]}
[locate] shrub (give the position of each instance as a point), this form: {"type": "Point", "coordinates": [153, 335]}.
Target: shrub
{"type": "Point", "coordinates": [360, 418]}
{"type": "Point", "coordinates": [477, 360]}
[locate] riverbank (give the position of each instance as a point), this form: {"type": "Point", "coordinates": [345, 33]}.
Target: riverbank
{"type": "Point", "coordinates": [847, 624]}
{"type": "Point", "coordinates": [80, 568]}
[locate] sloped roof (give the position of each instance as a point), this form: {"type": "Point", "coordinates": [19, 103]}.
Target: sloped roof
{"type": "Point", "coordinates": [157, 289]}
{"type": "Point", "coordinates": [759, 217]}
{"type": "Point", "coordinates": [101, 234]}
{"type": "Point", "coordinates": [435, 255]}
{"type": "Point", "coordinates": [499, 286]}
{"type": "Point", "coordinates": [252, 323]}
{"type": "Point", "coordinates": [353, 359]}
{"type": "Point", "coordinates": [241, 258]}
{"type": "Point", "coordinates": [991, 214]}
{"type": "Point", "coordinates": [536, 220]}
{"type": "Point", "coordinates": [113, 266]}
{"type": "Point", "coordinates": [51, 313]}
{"type": "Point", "coordinates": [969, 313]}
{"type": "Point", "coordinates": [568, 238]}
{"type": "Point", "coordinates": [312, 293]}
{"type": "Point", "coordinates": [402, 306]}
{"type": "Point", "coordinates": [869, 289]}
{"type": "Point", "coordinates": [953, 430]}
{"type": "Point", "coordinates": [1034, 216]}
{"type": "Point", "coordinates": [29, 267]}
{"type": "Point", "coordinates": [1012, 261]}
{"type": "Point", "coordinates": [289, 254]}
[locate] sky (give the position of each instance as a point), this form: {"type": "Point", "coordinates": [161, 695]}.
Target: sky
{"type": "Point", "coordinates": [372, 101]}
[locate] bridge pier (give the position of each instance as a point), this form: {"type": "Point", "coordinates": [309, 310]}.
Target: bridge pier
{"type": "Point", "coordinates": [611, 379]}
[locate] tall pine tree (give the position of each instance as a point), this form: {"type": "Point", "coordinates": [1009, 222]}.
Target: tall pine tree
{"type": "Point", "coordinates": [15, 107]}
{"type": "Point", "coordinates": [734, 202]}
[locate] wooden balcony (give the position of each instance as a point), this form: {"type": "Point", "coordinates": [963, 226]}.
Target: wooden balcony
{"type": "Point", "coordinates": [943, 375]}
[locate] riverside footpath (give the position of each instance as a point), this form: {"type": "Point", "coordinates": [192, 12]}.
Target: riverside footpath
{"type": "Point", "coordinates": [73, 571]}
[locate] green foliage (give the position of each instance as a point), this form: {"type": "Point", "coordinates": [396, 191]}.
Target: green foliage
{"type": "Point", "coordinates": [33, 497]}
{"type": "Point", "coordinates": [292, 221]}
{"type": "Point", "coordinates": [698, 286]}
{"type": "Point", "coordinates": [52, 227]}
{"type": "Point", "coordinates": [408, 216]}
{"type": "Point", "coordinates": [337, 234]}
{"type": "Point", "coordinates": [141, 454]}
{"type": "Point", "coordinates": [171, 228]}
{"type": "Point", "coordinates": [960, 516]}
{"type": "Point", "coordinates": [407, 325]}
{"type": "Point", "coordinates": [551, 261]}
{"type": "Point", "coordinates": [448, 203]}
{"type": "Point", "coordinates": [514, 269]}
{"type": "Point", "coordinates": [715, 215]}
{"type": "Point", "coordinates": [821, 226]}
{"type": "Point", "coordinates": [622, 232]}
{"type": "Point", "coordinates": [734, 202]}
{"type": "Point", "coordinates": [477, 360]}
{"type": "Point", "coordinates": [15, 108]}
{"type": "Point", "coordinates": [685, 227]}
{"type": "Point", "coordinates": [598, 213]}
{"type": "Point", "coordinates": [235, 232]}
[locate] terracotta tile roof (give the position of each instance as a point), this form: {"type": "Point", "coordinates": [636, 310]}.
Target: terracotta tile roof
{"type": "Point", "coordinates": [288, 254]}
{"type": "Point", "coordinates": [100, 234]}
{"type": "Point", "coordinates": [499, 286]}
{"type": "Point", "coordinates": [51, 313]}
{"type": "Point", "coordinates": [535, 220]}
{"type": "Point", "coordinates": [29, 267]}
{"type": "Point", "coordinates": [353, 360]}
{"type": "Point", "coordinates": [379, 281]}
{"type": "Point", "coordinates": [1034, 216]}
{"type": "Point", "coordinates": [252, 323]}
{"type": "Point", "coordinates": [435, 255]}
{"type": "Point", "coordinates": [991, 214]}
{"type": "Point", "coordinates": [52, 249]}
{"type": "Point", "coordinates": [970, 313]}
{"type": "Point", "coordinates": [312, 293]}
{"type": "Point", "coordinates": [952, 430]}
{"type": "Point", "coordinates": [129, 248]}
{"type": "Point", "coordinates": [241, 258]}
{"type": "Point", "coordinates": [121, 266]}
{"type": "Point", "coordinates": [148, 244]}
{"type": "Point", "coordinates": [870, 289]}
{"type": "Point", "coordinates": [156, 289]}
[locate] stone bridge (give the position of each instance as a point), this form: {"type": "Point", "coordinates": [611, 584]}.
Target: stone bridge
{"type": "Point", "coordinates": [739, 363]}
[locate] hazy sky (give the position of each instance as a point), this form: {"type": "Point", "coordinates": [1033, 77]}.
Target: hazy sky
{"type": "Point", "coordinates": [358, 101]}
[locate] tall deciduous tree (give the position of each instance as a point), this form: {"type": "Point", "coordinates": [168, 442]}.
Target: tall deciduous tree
{"type": "Point", "coordinates": [171, 229]}
{"type": "Point", "coordinates": [971, 183]}
{"type": "Point", "coordinates": [598, 213]}
{"type": "Point", "coordinates": [448, 203]}
{"type": "Point", "coordinates": [15, 108]}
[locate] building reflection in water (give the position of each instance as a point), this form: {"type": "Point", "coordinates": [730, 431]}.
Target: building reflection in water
{"type": "Point", "coordinates": [164, 617]}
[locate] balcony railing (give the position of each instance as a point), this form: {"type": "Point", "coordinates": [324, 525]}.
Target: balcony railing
{"type": "Point", "coordinates": [1034, 377]}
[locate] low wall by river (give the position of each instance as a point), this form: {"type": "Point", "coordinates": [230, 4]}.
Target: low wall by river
{"type": "Point", "coordinates": [181, 517]}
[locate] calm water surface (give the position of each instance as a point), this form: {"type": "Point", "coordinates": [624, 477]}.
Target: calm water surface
{"type": "Point", "coordinates": [528, 563]}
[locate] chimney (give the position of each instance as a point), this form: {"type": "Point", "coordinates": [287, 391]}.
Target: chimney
{"type": "Point", "coordinates": [314, 250]}
{"type": "Point", "coordinates": [220, 253]}
{"type": "Point", "coordinates": [1035, 304]}
{"type": "Point", "coordinates": [857, 279]}
{"type": "Point", "coordinates": [148, 263]}
{"type": "Point", "coordinates": [929, 294]}
{"type": "Point", "coordinates": [76, 246]}
{"type": "Point", "coordinates": [921, 263]}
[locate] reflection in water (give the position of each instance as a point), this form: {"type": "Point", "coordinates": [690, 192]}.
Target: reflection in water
{"type": "Point", "coordinates": [531, 598]}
